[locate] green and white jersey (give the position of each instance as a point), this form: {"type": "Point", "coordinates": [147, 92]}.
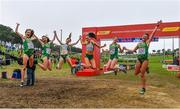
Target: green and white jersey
{"type": "Point", "coordinates": [142, 50]}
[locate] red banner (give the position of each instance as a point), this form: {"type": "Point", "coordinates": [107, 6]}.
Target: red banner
{"type": "Point", "coordinates": [134, 31]}
{"type": "Point", "coordinates": [166, 29]}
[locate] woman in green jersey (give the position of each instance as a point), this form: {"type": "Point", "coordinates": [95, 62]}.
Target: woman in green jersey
{"type": "Point", "coordinates": [90, 43]}
{"type": "Point", "coordinates": [114, 49]}
{"type": "Point", "coordinates": [46, 52]}
{"type": "Point", "coordinates": [65, 51]}
{"type": "Point", "coordinates": [142, 57]}
{"type": "Point", "coordinates": [28, 50]}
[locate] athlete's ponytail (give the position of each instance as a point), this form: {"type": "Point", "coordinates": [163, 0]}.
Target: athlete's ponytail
{"type": "Point", "coordinates": [91, 35]}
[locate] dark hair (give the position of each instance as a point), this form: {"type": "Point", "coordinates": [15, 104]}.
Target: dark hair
{"type": "Point", "coordinates": [32, 32]}
{"type": "Point", "coordinates": [68, 38]}
{"type": "Point", "coordinates": [46, 37]}
{"type": "Point", "coordinates": [91, 35]}
{"type": "Point", "coordinates": [146, 34]}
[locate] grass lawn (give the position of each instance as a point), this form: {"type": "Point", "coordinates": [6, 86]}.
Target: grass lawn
{"type": "Point", "coordinates": [158, 76]}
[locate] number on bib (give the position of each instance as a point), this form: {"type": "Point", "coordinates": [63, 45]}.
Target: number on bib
{"type": "Point", "coordinates": [141, 51]}
{"type": "Point", "coordinates": [112, 51]}
{"type": "Point", "coordinates": [30, 45]}
{"type": "Point", "coordinates": [48, 50]}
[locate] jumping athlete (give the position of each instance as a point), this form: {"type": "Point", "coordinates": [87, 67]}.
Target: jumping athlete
{"type": "Point", "coordinates": [28, 50]}
{"type": "Point", "coordinates": [65, 51]}
{"type": "Point", "coordinates": [142, 57]}
{"type": "Point", "coordinates": [46, 51]}
{"type": "Point", "coordinates": [90, 43]}
{"type": "Point", "coordinates": [113, 49]}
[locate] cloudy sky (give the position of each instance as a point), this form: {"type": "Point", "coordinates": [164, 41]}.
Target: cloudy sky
{"type": "Point", "coordinates": [44, 16]}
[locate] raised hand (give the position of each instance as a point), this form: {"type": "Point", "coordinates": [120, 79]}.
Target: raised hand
{"type": "Point", "coordinates": [55, 34]}
{"type": "Point", "coordinates": [159, 22]}
{"type": "Point", "coordinates": [70, 35]}
{"type": "Point", "coordinates": [17, 24]}
{"type": "Point", "coordinates": [80, 36]}
{"type": "Point", "coordinates": [153, 32]}
{"type": "Point", "coordinates": [17, 32]}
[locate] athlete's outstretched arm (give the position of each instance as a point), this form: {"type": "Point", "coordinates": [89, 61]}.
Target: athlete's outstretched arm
{"type": "Point", "coordinates": [55, 34]}
{"type": "Point", "coordinates": [17, 32]}
{"type": "Point", "coordinates": [38, 39]}
{"type": "Point", "coordinates": [103, 46]}
{"type": "Point", "coordinates": [70, 34]}
{"type": "Point", "coordinates": [134, 50]}
{"type": "Point", "coordinates": [153, 33]}
{"type": "Point", "coordinates": [121, 50]}
{"type": "Point", "coordinates": [53, 38]}
{"type": "Point", "coordinates": [83, 42]}
{"type": "Point", "coordinates": [76, 41]}
{"type": "Point", "coordinates": [98, 44]}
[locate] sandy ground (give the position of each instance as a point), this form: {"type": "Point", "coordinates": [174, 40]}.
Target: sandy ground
{"type": "Point", "coordinates": [86, 92]}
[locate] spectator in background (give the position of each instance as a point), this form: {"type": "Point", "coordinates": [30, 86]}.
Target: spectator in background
{"type": "Point", "coordinates": [176, 58]}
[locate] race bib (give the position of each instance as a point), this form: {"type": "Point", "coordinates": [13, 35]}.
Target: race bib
{"type": "Point", "coordinates": [30, 45]}
{"type": "Point", "coordinates": [89, 48]}
{"type": "Point", "coordinates": [141, 51]}
{"type": "Point", "coordinates": [64, 52]}
{"type": "Point", "coordinates": [112, 51]}
{"type": "Point", "coordinates": [64, 47]}
{"type": "Point", "coordinates": [48, 50]}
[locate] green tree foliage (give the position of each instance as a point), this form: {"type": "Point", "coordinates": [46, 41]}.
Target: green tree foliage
{"type": "Point", "coordinates": [7, 34]}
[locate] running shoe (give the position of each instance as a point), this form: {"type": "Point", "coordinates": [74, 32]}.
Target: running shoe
{"type": "Point", "coordinates": [142, 91]}
{"type": "Point", "coordinates": [22, 84]}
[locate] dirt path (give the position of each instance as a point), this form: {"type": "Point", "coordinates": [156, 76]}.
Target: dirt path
{"type": "Point", "coordinates": [84, 92]}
